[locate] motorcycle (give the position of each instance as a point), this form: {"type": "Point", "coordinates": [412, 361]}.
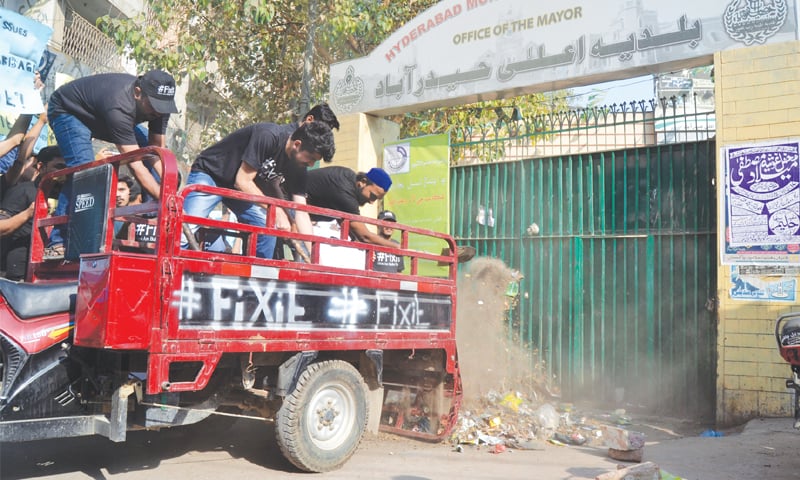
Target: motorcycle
{"type": "Point", "coordinates": [787, 334]}
{"type": "Point", "coordinates": [36, 372]}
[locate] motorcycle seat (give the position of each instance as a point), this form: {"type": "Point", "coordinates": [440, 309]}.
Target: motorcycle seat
{"type": "Point", "coordinates": [30, 300]}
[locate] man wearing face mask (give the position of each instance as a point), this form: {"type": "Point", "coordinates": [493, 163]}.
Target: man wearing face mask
{"type": "Point", "coordinates": [342, 189]}
{"type": "Point", "coordinates": [108, 107]}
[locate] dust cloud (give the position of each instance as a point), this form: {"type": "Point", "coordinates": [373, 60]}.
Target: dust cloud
{"type": "Point", "coordinates": [489, 358]}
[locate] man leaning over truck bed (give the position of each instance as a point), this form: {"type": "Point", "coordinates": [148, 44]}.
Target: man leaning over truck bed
{"type": "Point", "coordinates": [342, 189]}
{"type": "Point", "coordinates": [108, 106]}
{"type": "Point", "coordinates": [260, 159]}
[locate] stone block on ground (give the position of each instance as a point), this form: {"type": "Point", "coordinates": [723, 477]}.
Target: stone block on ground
{"type": "Point", "coordinates": [621, 439]}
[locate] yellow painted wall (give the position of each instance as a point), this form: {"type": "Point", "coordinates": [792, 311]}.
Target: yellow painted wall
{"type": "Point", "coordinates": [359, 145]}
{"type": "Point", "coordinates": [757, 99]}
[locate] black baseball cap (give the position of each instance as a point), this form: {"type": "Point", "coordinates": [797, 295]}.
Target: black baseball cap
{"type": "Point", "coordinates": [159, 86]}
{"type": "Point", "coordinates": [387, 215]}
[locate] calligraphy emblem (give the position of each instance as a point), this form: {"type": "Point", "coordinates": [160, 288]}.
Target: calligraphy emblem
{"type": "Point", "coordinates": [349, 91]}
{"type": "Point", "coordinates": [396, 158]}
{"type": "Point", "coordinates": [784, 223]}
{"type": "Point", "coordinates": [754, 21]}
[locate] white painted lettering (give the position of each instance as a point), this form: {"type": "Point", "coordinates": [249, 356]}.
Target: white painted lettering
{"type": "Point", "coordinates": [246, 302]}
{"type": "Point", "coordinates": [293, 311]}
{"type": "Point", "coordinates": [348, 307]}
{"type": "Point", "coordinates": [263, 300]}
{"type": "Point", "coordinates": [222, 303]}
{"type": "Point", "coordinates": [383, 298]}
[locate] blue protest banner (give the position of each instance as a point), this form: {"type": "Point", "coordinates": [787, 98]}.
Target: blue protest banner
{"type": "Point", "coordinates": [22, 43]}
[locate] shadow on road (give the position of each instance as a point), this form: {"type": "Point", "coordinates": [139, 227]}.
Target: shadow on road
{"type": "Point", "coordinates": [96, 456]}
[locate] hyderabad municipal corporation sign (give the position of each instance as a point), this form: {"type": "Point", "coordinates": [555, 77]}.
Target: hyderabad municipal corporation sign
{"type": "Point", "coordinates": [462, 51]}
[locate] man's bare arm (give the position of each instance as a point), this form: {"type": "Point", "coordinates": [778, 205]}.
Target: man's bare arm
{"type": "Point", "coordinates": [16, 134]}
{"type": "Point", "coordinates": [141, 173]}
{"type": "Point", "coordinates": [25, 152]}
{"type": "Point", "coordinates": [245, 182]}
{"type": "Point", "coordinates": [363, 234]}
{"type": "Point", "coordinates": [157, 140]}
{"type": "Point", "coordinates": [30, 138]}
{"type": "Point", "coordinates": [9, 225]}
{"type": "Point", "coordinates": [302, 220]}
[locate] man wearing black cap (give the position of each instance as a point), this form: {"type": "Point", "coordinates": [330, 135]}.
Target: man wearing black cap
{"type": "Point", "coordinates": [108, 106]}
{"type": "Point", "coordinates": [340, 188]}
{"type": "Point", "coordinates": [388, 262]}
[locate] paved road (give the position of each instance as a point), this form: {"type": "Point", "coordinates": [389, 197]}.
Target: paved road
{"type": "Point", "coordinates": [764, 449]}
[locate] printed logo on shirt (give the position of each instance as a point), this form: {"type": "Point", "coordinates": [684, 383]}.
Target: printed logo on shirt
{"type": "Point", "coordinates": [146, 233]}
{"type": "Point", "coordinates": [84, 201]}
{"type": "Point", "coordinates": [269, 170]}
{"type": "Point", "coordinates": [384, 257]}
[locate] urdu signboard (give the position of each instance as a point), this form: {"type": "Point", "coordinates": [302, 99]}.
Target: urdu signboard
{"type": "Point", "coordinates": [461, 51]}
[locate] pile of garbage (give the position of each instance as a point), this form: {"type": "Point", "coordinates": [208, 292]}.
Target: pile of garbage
{"type": "Point", "coordinates": [510, 400]}
{"type": "Point", "coordinates": [514, 420]}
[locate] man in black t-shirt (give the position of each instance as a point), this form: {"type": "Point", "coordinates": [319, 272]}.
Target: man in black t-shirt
{"type": "Point", "coordinates": [321, 113]}
{"type": "Point", "coordinates": [261, 159]}
{"type": "Point", "coordinates": [108, 106]}
{"type": "Point", "coordinates": [19, 198]}
{"type": "Point", "coordinates": [342, 189]}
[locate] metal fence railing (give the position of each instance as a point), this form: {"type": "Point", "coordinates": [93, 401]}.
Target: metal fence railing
{"type": "Point", "coordinates": [584, 130]}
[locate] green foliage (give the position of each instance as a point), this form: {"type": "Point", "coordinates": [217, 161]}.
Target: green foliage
{"type": "Point", "coordinates": [487, 127]}
{"type": "Point", "coordinates": [233, 52]}
{"type": "Point", "coordinates": [354, 27]}
{"type": "Point", "coordinates": [244, 58]}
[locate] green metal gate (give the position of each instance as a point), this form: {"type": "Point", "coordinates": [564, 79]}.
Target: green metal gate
{"type": "Point", "coordinates": [621, 276]}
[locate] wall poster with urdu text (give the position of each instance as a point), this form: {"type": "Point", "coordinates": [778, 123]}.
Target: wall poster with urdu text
{"type": "Point", "coordinates": [766, 283]}
{"type": "Point", "coordinates": [420, 193]}
{"type": "Point", "coordinates": [761, 198]}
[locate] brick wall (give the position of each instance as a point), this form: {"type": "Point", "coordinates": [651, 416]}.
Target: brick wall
{"type": "Point", "coordinates": [758, 99]}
